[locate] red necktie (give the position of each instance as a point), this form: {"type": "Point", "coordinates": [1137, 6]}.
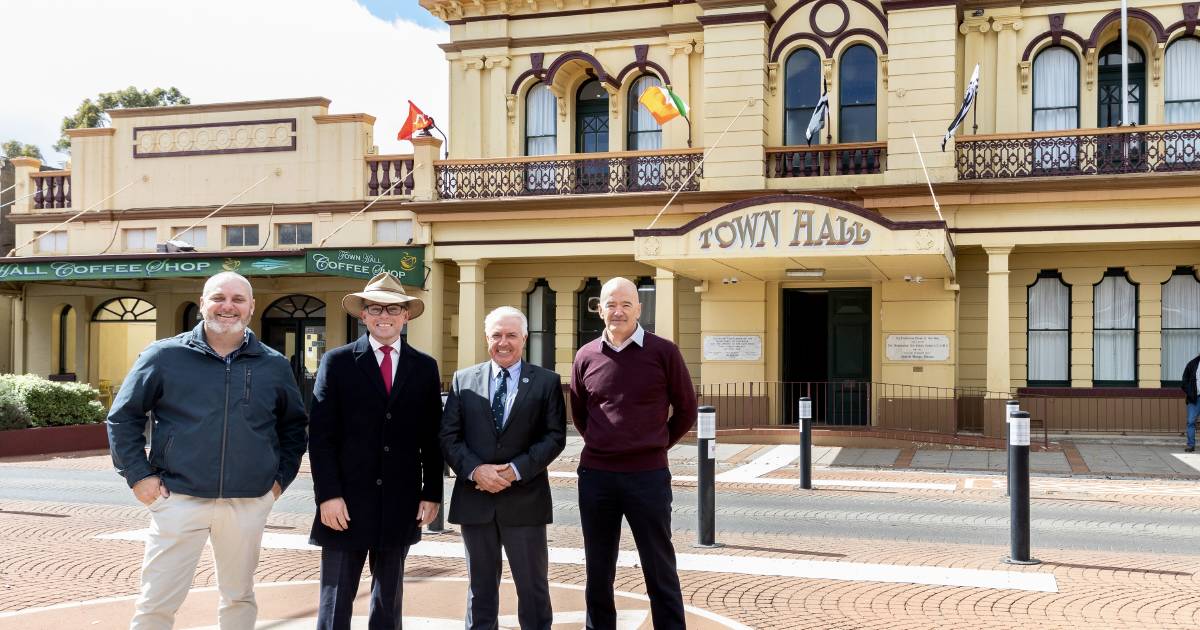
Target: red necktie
{"type": "Point", "coordinates": [385, 368]}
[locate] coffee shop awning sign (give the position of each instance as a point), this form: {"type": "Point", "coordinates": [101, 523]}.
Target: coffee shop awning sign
{"type": "Point", "coordinates": [407, 264]}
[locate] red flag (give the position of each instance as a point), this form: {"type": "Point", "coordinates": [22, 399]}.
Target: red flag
{"type": "Point", "coordinates": [417, 121]}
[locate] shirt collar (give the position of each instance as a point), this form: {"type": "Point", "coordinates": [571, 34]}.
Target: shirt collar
{"type": "Point", "coordinates": [638, 337]}
{"type": "Point", "coordinates": [245, 340]}
{"type": "Point", "coordinates": [376, 345]}
{"type": "Point", "coordinates": [513, 370]}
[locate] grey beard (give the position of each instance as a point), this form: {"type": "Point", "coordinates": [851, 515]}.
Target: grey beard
{"type": "Point", "coordinates": [221, 328]}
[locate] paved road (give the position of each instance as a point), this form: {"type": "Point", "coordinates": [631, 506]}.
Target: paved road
{"type": "Point", "coordinates": [953, 517]}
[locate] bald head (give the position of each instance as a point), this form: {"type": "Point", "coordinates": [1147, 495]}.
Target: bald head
{"type": "Point", "coordinates": [622, 285]}
{"type": "Point", "coordinates": [219, 280]}
{"type": "Point", "coordinates": [620, 309]}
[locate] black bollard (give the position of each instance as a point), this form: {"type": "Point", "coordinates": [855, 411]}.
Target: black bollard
{"type": "Point", "coordinates": [1010, 408]}
{"type": "Point", "coordinates": [706, 464]}
{"type": "Point", "coordinates": [1018, 474]}
{"type": "Point", "coordinates": [805, 443]}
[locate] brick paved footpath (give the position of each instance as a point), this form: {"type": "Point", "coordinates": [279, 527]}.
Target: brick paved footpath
{"type": "Point", "coordinates": [49, 557]}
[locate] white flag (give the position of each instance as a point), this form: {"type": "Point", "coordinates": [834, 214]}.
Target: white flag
{"type": "Point", "coordinates": [817, 122]}
{"type": "Point", "coordinates": [968, 100]}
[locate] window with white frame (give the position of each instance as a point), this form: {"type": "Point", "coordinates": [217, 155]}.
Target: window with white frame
{"type": "Point", "coordinates": [140, 239]}
{"type": "Point", "coordinates": [1182, 99]}
{"type": "Point", "coordinates": [294, 233]}
{"type": "Point", "coordinates": [801, 92]}
{"type": "Point", "coordinates": [51, 242]}
{"type": "Point", "coordinates": [241, 235]}
{"type": "Point", "coordinates": [1180, 324]}
{"type": "Point", "coordinates": [857, 95]}
{"type": "Point", "coordinates": [394, 231]}
{"type": "Point", "coordinates": [196, 236]}
{"type": "Point", "coordinates": [1049, 334]}
{"type": "Point", "coordinates": [541, 135]}
{"type": "Point", "coordinates": [1114, 331]}
{"type": "Point", "coordinates": [540, 308]}
{"type": "Point", "coordinates": [1055, 107]}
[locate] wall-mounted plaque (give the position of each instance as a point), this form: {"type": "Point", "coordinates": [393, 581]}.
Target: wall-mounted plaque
{"type": "Point", "coordinates": [732, 348]}
{"type": "Point", "coordinates": [917, 347]}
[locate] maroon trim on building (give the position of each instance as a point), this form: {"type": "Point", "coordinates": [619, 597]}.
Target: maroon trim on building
{"type": "Point", "coordinates": [1102, 392]}
{"type": "Point", "coordinates": [903, 5]}
{"type": "Point", "coordinates": [828, 202]}
{"type": "Point", "coordinates": [883, 49]}
{"type": "Point", "coordinates": [601, 73]}
{"type": "Point", "coordinates": [1191, 16]}
{"type": "Point", "coordinates": [541, 241]}
{"type": "Point", "coordinates": [796, 7]}
{"type": "Point", "coordinates": [539, 15]}
{"type": "Point", "coordinates": [825, 47]}
{"type": "Point", "coordinates": [736, 18]}
{"type": "Point", "coordinates": [1056, 33]}
{"type": "Point", "coordinates": [812, 18]}
{"type": "Point", "coordinates": [659, 70]}
{"type": "Point", "coordinates": [1140, 14]}
{"type": "Point", "coordinates": [1075, 228]}
{"type": "Point", "coordinates": [232, 123]}
{"type": "Point", "coordinates": [535, 59]}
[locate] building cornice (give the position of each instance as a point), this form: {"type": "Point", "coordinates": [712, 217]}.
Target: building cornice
{"type": "Point", "coordinates": [89, 132]}
{"type": "Point", "coordinates": [324, 119]}
{"type": "Point", "coordinates": [208, 108]}
{"type": "Point", "coordinates": [248, 210]}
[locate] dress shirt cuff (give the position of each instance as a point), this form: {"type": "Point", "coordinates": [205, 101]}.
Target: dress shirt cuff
{"type": "Point", "coordinates": [515, 471]}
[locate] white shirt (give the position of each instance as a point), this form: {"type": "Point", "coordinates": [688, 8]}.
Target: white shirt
{"type": "Point", "coordinates": [375, 345]}
{"type": "Point", "coordinates": [638, 337]}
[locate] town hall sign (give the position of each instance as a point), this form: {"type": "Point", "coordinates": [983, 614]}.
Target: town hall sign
{"type": "Point", "coordinates": [805, 228]}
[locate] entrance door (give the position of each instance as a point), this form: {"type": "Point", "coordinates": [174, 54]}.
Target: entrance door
{"type": "Point", "coordinates": [827, 353]}
{"type": "Point", "coordinates": [591, 136]}
{"type": "Point", "coordinates": [295, 326]}
{"type": "Point", "coordinates": [1120, 153]}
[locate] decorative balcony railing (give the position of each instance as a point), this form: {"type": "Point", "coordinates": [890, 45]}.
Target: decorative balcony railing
{"type": "Point", "coordinates": [52, 189]}
{"type": "Point", "coordinates": [575, 174]}
{"type": "Point", "coordinates": [1111, 151]}
{"type": "Point", "coordinates": [383, 171]}
{"type": "Point", "coordinates": [819, 160]}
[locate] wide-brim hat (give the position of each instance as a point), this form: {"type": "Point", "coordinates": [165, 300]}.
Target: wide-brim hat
{"type": "Point", "coordinates": [383, 289]}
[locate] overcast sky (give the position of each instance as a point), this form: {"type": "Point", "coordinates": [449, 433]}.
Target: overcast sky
{"type": "Point", "coordinates": [369, 56]}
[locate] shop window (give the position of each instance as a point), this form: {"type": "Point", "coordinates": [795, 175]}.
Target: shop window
{"type": "Point", "coordinates": [857, 95]}
{"type": "Point", "coordinates": [646, 295]}
{"type": "Point", "coordinates": [241, 236]}
{"type": "Point", "coordinates": [295, 233]}
{"type": "Point", "coordinates": [394, 231]}
{"type": "Point", "coordinates": [588, 325]}
{"type": "Point", "coordinates": [195, 236]}
{"type": "Point", "coordinates": [1114, 331]}
{"type": "Point", "coordinates": [140, 239]}
{"type": "Point", "coordinates": [802, 90]}
{"type": "Point", "coordinates": [1049, 332]}
{"type": "Point", "coordinates": [539, 308]}
{"type": "Point", "coordinates": [1055, 108]}
{"type": "Point", "coordinates": [1180, 324]}
{"type": "Point", "coordinates": [51, 242]}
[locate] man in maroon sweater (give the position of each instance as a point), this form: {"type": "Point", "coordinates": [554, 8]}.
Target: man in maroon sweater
{"type": "Point", "coordinates": [631, 399]}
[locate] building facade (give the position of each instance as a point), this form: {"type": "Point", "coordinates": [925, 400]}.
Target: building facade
{"type": "Point", "coordinates": [1047, 252]}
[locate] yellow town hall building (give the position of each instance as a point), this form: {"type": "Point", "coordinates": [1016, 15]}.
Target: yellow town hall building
{"type": "Point", "coordinates": [1060, 265]}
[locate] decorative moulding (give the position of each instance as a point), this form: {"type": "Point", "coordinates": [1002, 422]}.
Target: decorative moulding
{"type": "Point", "coordinates": [250, 136]}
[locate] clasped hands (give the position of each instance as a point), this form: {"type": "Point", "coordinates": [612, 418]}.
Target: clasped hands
{"type": "Point", "coordinates": [493, 477]}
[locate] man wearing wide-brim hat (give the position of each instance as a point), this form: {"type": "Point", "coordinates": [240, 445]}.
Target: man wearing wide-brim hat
{"type": "Point", "coordinates": [376, 462]}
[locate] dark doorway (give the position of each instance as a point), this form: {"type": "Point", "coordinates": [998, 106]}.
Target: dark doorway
{"type": "Point", "coordinates": [295, 326]}
{"type": "Point", "coordinates": [827, 353]}
{"type": "Point", "coordinates": [591, 136]}
{"type": "Point", "coordinates": [1120, 153]}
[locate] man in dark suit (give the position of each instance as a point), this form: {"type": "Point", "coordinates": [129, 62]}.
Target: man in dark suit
{"type": "Point", "coordinates": [1189, 384]}
{"type": "Point", "coordinates": [376, 462]}
{"type": "Point", "coordinates": [505, 421]}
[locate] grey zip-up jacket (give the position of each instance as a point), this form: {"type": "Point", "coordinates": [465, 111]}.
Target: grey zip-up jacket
{"type": "Point", "coordinates": [224, 427]}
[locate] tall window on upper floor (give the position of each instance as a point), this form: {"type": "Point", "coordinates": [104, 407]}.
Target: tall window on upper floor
{"type": "Point", "coordinates": [1049, 335]}
{"type": "Point", "coordinates": [644, 133]}
{"type": "Point", "coordinates": [1114, 331]}
{"type": "Point", "coordinates": [1055, 90]}
{"type": "Point", "coordinates": [1108, 85]}
{"type": "Point", "coordinates": [856, 95]}
{"type": "Point", "coordinates": [541, 121]}
{"type": "Point", "coordinates": [1180, 323]}
{"type": "Point", "coordinates": [801, 91]}
{"type": "Point", "coordinates": [539, 307]}
{"type": "Point", "coordinates": [1183, 98]}
{"type": "Point", "coordinates": [591, 118]}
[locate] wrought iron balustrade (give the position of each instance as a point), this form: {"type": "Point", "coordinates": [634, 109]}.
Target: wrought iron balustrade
{"type": "Point", "coordinates": [576, 174]}
{"type": "Point", "coordinates": [820, 160]}
{"type": "Point", "coordinates": [1112, 151]}
{"type": "Point", "coordinates": [383, 171]}
{"type": "Point", "coordinates": [52, 189]}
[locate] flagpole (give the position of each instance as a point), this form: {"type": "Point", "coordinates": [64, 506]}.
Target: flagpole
{"type": "Point", "coordinates": [828, 128]}
{"type": "Point", "coordinates": [1124, 62]}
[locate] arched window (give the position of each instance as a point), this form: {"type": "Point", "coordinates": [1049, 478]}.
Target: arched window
{"type": "Point", "coordinates": [191, 317]}
{"type": "Point", "coordinates": [1114, 331]}
{"type": "Point", "coordinates": [1180, 324]}
{"type": "Point", "coordinates": [120, 329]}
{"type": "Point", "coordinates": [1183, 90]}
{"type": "Point", "coordinates": [539, 307]}
{"type": "Point", "coordinates": [591, 118]}
{"type": "Point", "coordinates": [644, 133]}
{"type": "Point", "coordinates": [541, 121]}
{"type": "Point", "coordinates": [646, 295]}
{"type": "Point", "coordinates": [65, 341]}
{"type": "Point", "coordinates": [1108, 83]}
{"type": "Point", "coordinates": [588, 324]}
{"type": "Point", "coordinates": [856, 95]}
{"type": "Point", "coordinates": [801, 91]}
{"type": "Point", "coordinates": [1055, 90]}
{"type": "Point", "coordinates": [1049, 331]}
{"type": "Point", "coordinates": [125, 309]}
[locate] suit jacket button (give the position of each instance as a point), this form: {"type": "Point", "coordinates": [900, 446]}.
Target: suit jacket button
{"type": "Point", "coordinates": [387, 449]}
{"type": "Point", "coordinates": [379, 482]}
{"type": "Point", "coordinates": [388, 415]}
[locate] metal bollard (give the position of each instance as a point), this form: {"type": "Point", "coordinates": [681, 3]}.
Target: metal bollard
{"type": "Point", "coordinates": [706, 463]}
{"type": "Point", "coordinates": [805, 443]}
{"type": "Point", "coordinates": [1010, 407]}
{"type": "Point", "coordinates": [1018, 474]}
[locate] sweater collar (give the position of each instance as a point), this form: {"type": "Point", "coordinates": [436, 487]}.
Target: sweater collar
{"type": "Point", "coordinates": [638, 337]}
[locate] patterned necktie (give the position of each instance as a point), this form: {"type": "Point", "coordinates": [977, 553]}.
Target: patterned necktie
{"type": "Point", "coordinates": [498, 399]}
{"type": "Point", "coordinates": [385, 368]}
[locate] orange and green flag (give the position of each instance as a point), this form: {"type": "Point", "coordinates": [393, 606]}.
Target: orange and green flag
{"type": "Point", "coordinates": [663, 104]}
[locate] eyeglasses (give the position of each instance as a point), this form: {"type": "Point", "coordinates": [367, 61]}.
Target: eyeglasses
{"type": "Point", "coordinates": [392, 309]}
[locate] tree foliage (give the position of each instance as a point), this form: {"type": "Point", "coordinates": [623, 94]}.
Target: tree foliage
{"type": "Point", "coordinates": [91, 112]}
{"type": "Point", "coordinates": [16, 148]}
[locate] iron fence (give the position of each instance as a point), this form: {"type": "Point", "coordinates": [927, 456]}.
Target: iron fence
{"type": "Point", "coordinates": [864, 158]}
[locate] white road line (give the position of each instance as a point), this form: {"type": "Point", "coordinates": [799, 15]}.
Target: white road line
{"type": "Point", "coordinates": [770, 461]}
{"type": "Point", "coordinates": [841, 483]}
{"type": "Point", "coordinates": [739, 565]}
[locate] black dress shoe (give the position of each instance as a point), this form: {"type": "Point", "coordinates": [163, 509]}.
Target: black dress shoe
{"type": "Point", "coordinates": [1190, 449]}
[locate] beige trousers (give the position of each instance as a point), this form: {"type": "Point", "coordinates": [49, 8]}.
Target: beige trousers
{"type": "Point", "coordinates": [179, 527]}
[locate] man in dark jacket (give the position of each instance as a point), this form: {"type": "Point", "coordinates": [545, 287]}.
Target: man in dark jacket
{"type": "Point", "coordinates": [1189, 386]}
{"type": "Point", "coordinates": [376, 462]}
{"type": "Point", "coordinates": [228, 438]}
{"type": "Point", "coordinates": [505, 421]}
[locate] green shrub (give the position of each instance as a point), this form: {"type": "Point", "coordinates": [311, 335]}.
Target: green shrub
{"type": "Point", "coordinates": [44, 403]}
{"type": "Point", "coordinates": [12, 415]}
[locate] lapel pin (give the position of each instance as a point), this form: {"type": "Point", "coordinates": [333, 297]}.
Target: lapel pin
{"type": "Point", "coordinates": [525, 380]}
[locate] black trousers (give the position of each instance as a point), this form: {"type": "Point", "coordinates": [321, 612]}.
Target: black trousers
{"type": "Point", "coordinates": [644, 499]}
{"type": "Point", "coordinates": [528, 559]}
{"type": "Point", "coordinates": [341, 571]}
